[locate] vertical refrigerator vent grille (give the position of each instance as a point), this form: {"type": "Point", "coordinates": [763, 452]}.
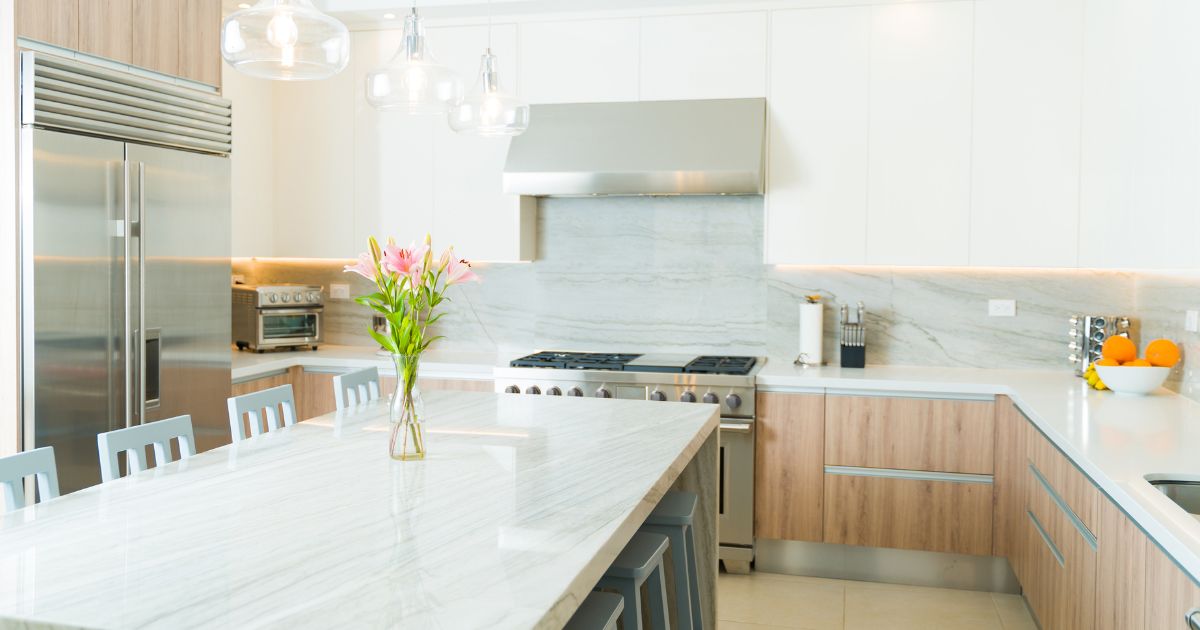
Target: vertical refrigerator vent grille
{"type": "Point", "coordinates": [69, 95]}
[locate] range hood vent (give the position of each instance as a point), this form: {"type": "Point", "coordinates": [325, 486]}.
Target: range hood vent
{"type": "Point", "coordinates": [710, 147]}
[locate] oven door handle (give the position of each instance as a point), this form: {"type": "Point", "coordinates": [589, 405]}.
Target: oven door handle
{"type": "Point", "coordinates": [291, 311]}
{"type": "Point", "coordinates": [737, 427]}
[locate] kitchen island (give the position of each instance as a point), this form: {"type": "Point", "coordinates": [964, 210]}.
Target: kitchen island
{"type": "Point", "coordinates": [521, 505]}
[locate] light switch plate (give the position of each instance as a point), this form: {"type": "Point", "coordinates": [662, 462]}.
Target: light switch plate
{"type": "Point", "coordinates": [1002, 308]}
{"type": "Point", "coordinates": [1191, 322]}
{"type": "Point", "coordinates": [339, 291]}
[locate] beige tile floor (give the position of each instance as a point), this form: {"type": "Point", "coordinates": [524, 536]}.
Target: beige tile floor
{"type": "Point", "coordinates": [768, 601]}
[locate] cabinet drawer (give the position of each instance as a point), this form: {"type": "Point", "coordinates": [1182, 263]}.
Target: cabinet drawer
{"type": "Point", "coordinates": [909, 513]}
{"type": "Point", "coordinates": [1059, 571]}
{"type": "Point", "coordinates": [1075, 489]}
{"type": "Point", "coordinates": [910, 433]}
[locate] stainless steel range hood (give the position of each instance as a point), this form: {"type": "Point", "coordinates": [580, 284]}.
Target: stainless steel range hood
{"type": "Point", "coordinates": [711, 147]}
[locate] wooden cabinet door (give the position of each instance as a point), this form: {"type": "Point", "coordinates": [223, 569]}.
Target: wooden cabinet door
{"type": "Point", "coordinates": [106, 29]}
{"type": "Point", "coordinates": [50, 21]}
{"type": "Point", "coordinates": [1170, 593]}
{"type": "Point", "coordinates": [1120, 572]}
{"type": "Point", "coordinates": [907, 513]}
{"type": "Point", "coordinates": [314, 395]}
{"type": "Point", "coordinates": [200, 41]}
{"type": "Point", "coordinates": [259, 384]}
{"type": "Point", "coordinates": [1007, 486]}
{"type": "Point", "coordinates": [789, 469]}
{"type": "Point", "coordinates": [910, 433]}
{"type": "Point", "coordinates": [156, 34]}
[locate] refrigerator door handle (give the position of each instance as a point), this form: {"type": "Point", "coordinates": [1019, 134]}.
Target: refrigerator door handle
{"type": "Point", "coordinates": [142, 336]}
{"type": "Point", "coordinates": [127, 351]}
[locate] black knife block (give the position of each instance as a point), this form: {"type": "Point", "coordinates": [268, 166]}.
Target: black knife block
{"type": "Point", "coordinates": [854, 356]}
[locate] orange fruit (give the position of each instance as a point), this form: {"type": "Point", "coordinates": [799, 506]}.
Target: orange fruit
{"type": "Point", "coordinates": [1118, 348]}
{"type": "Point", "coordinates": [1137, 363]}
{"type": "Point", "coordinates": [1108, 362]}
{"type": "Point", "coordinates": [1162, 353]}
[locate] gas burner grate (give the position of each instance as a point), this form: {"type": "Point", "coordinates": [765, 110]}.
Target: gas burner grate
{"type": "Point", "coordinates": [575, 360]}
{"type": "Point", "coordinates": [736, 366]}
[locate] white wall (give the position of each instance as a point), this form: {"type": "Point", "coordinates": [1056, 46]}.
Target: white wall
{"type": "Point", "coordinates": [9, 351]}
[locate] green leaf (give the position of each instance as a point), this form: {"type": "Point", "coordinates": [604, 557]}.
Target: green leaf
{"type": "Point", "coordinates": [382, 340]}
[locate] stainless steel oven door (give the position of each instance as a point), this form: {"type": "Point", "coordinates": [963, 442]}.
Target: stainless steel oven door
{"type": "Point", "coordinates": [736, 494]}
{"type": "Point", "coordinates": [288, 326]}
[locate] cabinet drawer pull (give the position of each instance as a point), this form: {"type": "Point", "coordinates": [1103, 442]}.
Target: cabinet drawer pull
{"type": "Point", "coordinates": [920, 475]}
{"type": "Point", "coordinates": [1046, 539]}
{"type": "Point", "coordinates": [1086, 533]}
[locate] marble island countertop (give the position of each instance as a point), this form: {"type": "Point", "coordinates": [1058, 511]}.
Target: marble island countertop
{"type": "Point", "coordinates": [520, 506]}
{"type": "Point", "coordinates": [436, 363]}
{"type": "Point", "coordinates": [1115, 440]}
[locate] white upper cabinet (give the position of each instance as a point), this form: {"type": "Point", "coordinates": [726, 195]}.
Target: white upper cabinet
{"type": "Point", "coordinates": [1025, 139]}
{"type": "Point", "coordinates": [579, 61]}
{"type": "Point", "coordinates": [919, 146]}
{"type": "Point", "coordinates": [717, 55]}
{"type": "Point", "coordinates": [1140, 172]}
{"type": "Point", "coordinates": [393, 154]}
{"type": "Point", "coordinates": [817, 178]}
{"type": "Point", "coordinates": [314, 168]}
{"type": "Point", "coordinates": [470, 209]}
{"type": "Point", "coordinates": [252, 170]}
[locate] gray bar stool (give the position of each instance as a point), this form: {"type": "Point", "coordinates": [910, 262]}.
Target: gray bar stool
{"type": "Point", "coordinates": [640, 562]}
{"type": "Point", "coordinates": [599, 611]}
{"type": "Point", "coordinates": [673, 518]}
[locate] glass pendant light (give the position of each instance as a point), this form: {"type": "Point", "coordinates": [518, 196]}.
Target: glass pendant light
{"type": "Point", "coordinates": [285, 40]}
{"type": "Point", "coordinates": [413, 81]}
{"type": "Point", "coordinates": [488, 110]}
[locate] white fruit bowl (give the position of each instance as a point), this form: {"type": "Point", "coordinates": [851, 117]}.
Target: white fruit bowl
{"type": "Point", "coordinates": [1132, 380]}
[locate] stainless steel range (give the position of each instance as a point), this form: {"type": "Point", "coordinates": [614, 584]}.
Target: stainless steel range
{"type": "Point", "coordinates": [727, 381]}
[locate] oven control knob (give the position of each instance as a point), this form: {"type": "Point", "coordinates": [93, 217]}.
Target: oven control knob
{"type": "Point", "coordinates": [603, 393]}
{"type": "Point", "coordinates": [299, 296]}
{"type": "Point", "coordinates": [575, 391]}
{"type": "Point", "coordinates": [273, 297]}
{"type": "Point", "coordinates": [687, 397]}
{"type": "Point", "coordinates": [533, 389]}
{"type": "Point", "coordinates": [554, 391]}
{"type": "Point", "coordinates": [711, 398]}
{"type": "Point", "coordinates": [657, 395]}
{"type": "Point", "coordinates": [512, 389]}
{"type": "Point", "coordinates": [733, 401]}
{"type": "Point", "coordinates": [286, 297]}
{"type": "Point", "coordinates": [314, 296]}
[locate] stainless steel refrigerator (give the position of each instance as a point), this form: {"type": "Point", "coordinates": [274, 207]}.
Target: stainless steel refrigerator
{"type": "Point", "coordinates": [125, 230]}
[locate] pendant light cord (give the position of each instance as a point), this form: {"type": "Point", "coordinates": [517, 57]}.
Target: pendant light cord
{"type": "Point", "coordinates": [489, 8]}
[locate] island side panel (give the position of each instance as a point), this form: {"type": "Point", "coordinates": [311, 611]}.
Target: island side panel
{"type": "Point", "coordinates": [702, 477]}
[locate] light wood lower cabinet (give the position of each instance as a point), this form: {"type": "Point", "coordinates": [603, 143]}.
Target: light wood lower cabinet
{"type": "Point", "coordinates": [1120, 571]}
{"type": "Point", "coordinates": [925, 515]}
{"type": "Point", "coordinates": [910, 433]}
{"type": "Point", "coordinates": [1008, 490]}
{"type": "Point", "coordinates": [1170, 593]}
{"type": "Point", "coordinates": [789, 469]}
{"type": "Point", "coordinates": [259, 384]}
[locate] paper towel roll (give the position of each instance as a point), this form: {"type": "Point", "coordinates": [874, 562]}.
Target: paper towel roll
{"type": "Point", "coordinates": [812, 330]}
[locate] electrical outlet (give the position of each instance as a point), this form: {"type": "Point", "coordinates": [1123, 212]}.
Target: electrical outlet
{"type": "Point", "coordinates": [1191, 322]}
{"type": "Point", "coordinates": [339, 292]}
{"type": "Point", "coordinates": [1002, 308]}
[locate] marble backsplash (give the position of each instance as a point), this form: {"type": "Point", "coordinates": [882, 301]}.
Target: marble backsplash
{"type": "Point", "coordinates": [685, 274]}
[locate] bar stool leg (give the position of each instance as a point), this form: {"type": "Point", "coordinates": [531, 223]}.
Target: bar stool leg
{"type": "Point", "coordinates": [631, 616]}
{"type": "Point", "coordinates": [682, 564]}
{"type": "Point", "coordinates": [657, 587]}
{"type": "Point", "coordinates": [693, 579]}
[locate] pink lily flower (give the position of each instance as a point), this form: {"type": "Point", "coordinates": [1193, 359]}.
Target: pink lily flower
{"type": "Point", "coordinates": [406, 262]}
{"type": "Point", "coordinates": [365, 267]}
{"type": "Point", "coordinates": [458, 271]}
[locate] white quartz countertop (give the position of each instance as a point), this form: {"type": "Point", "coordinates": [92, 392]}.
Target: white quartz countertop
{"type": "Point", "coordinates": [521, 505]}
{"type": "Point", "coordinates": [435, 363]}
{"type": "Point", "coordinates": [1116, 440]}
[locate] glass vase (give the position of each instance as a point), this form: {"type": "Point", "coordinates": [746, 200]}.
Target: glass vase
{"type": "Point", "coordinates": [407, 437]}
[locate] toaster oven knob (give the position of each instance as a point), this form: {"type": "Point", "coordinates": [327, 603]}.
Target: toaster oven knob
{"type": "Point", "coordinates": [533, 389]}
{"type": "Point", "coordinates": [687, 397]}
{"type": "Point", "coordinates": [286, 297]}
{"type": "Point", "coordinates": [711, 398]}
{"type": "Point", "coordinates": [603, 393]}
{"type": "Point", "coordinates": [512, 389]}
{"type": "Point", "coordinates": [657, 395]}
{"type": "Point", "coordinates": [273, 297]}
{"type": "Point", "coordinates": [299, 297]}
{"type": "Point", "coordinates": [575, 391]}
{"type": "Point", "coordinates": [554, 391]}
{"type": "Point", "coordinates": [733, 401]}
{"type": "Point", "coordinates": [314, 296]}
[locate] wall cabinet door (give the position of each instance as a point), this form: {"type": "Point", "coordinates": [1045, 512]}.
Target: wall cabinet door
{"type": "Point", "coordinates": [816, 201]}
{"type": "Point", "coordinates": [1025, 133]}
{"type": "Point", "coordinates": [1141, 137]}
{"type": "Point", "coordinates": [200, 43]}
{"type": "Point", "coordinates": [579, 61]}
{"type": "Point", "coordinates": [716, 55]}
{"type": "Point", "coordinates": [106, 29]}
{"type": "Point", "coordinates": [788, 469]}
{"type": "Point", "coordinates": [918, 185]}
{"type": "Point", "coordinates": [156, 34]}
{"type": "Point", "coordinates": [50, 21]}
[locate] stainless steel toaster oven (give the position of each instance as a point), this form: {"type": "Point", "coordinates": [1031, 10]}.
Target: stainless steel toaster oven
{"type": "Point", "coordinates": [277, 316]}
